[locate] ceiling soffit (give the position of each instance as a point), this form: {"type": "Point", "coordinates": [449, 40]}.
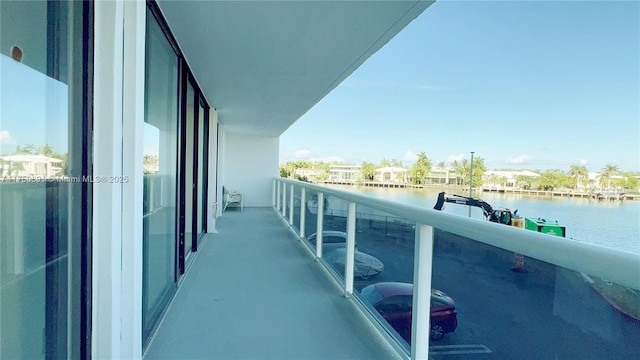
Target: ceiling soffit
{"type": "Point", "coordinates": [263, 64]}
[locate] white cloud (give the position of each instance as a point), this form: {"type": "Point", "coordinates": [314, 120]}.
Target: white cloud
{"type": "Point", "coordinates": [584, 161]}
{"type": "Point", "coordinates": [410, 156]}
{"type": "Point", "coordinates": [332, 159]}
{"type": "Point", "coordinates": [520, 159]}
{"type": "Point", "coordinates": [6, 139]}
{"type": "Point", "coordinates": [302, 153]}
{"type": "Point", "coordinates": [453, 158]}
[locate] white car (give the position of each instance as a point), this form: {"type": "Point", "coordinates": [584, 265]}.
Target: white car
{"type": "Point", "coordinates": [331, 240]}
{"type": "Point", "coordinates": [364, 265]}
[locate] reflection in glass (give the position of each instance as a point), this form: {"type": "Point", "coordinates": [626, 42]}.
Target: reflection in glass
{"type": "Point", "coordinates": [41, 168]}
{"type": "Point", "coordinates": [201, 168]}
{"type": "Point", "coordinates": [188, 172]}
{"type": "Point", "coordinates": [296, 207]}
{"type": "Point", "coordinates": [388, 241]}
{"type": "Point", "coordinates": [543, 312]}
{"type": "Point", "coordinates": [159, 167]}
{"type": "Point", "coordinates": [311, 215]}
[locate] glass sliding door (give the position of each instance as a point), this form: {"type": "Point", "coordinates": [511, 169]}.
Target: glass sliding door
{"type": "Point", "coordinates": [189, 182]}
{"type": "Point", "coordinates": [203, 140]}
{"type": "Point", "coordinates": [160, 174]}
{"type": "Point", "coordinates": [44, 203]}
{"type": "Point", "coordinates": [193, 171]}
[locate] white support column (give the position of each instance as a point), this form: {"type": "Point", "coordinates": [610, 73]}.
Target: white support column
{"type": "Point", "coordinates": [291, 198]}
{"type": "Point", "coordinates": [284, 199]}
{"type": "Point", "coordinates": [422, 267]}
{"type": "Point", "coordinates": [351, 248]}
{"type": "Point", "coordinates": [222, 153]}
{"type": "Point", "coordinates": [303, 208]}
{"type": "Point", "coordinates": [277, 185]}
{"type": "Point", "coordinates": [132, 190]}
{"type": "Point", "coordinates": [213, 166]}
{"type": "Point", "coordinates": [106, 296]}
{"type": "Point", "coordinates": [320, 225]}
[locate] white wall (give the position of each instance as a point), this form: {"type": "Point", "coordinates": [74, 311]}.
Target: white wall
{"type": "Point", "coordinates": [250, 164]}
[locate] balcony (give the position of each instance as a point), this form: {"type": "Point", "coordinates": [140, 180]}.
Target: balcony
{"type": "Point", "coordinates": [255, 289]}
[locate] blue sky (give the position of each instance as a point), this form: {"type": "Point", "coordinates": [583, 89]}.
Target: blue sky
{"type": "Point", "coordinates": [33, 108]}
{"type": "Point", "coordinates": [535, 85]}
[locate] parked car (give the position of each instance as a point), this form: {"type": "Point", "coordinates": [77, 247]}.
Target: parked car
{"type": "Point", "coordinates": [394, 301]}
{"type": "Point", "coordinates": [331, 240]}
{"type": "Point", "coordinates": [364, 265]}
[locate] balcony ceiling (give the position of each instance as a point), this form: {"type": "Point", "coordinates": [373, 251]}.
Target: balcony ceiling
{"type": "Point", "coordinates": [263, 64]}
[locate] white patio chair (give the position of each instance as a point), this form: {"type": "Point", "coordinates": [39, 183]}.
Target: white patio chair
{"type": "Point", "coordinates": [231, 197]}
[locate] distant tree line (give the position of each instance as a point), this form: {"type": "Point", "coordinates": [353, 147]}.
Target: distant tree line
{"type": "Point", "coordinates": [576, 177]}
{"type": "Point", "coordinates": [288, 169]}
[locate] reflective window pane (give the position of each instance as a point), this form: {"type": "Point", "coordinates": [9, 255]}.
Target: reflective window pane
{"type": "Point", "coordinates": [188, 172]}
{"type": "Point", "coordinates": [42, 215]}
{"type": "Point", "coordinates": [160, 168]}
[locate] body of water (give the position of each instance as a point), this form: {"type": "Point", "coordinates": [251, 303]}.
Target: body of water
{"type": "Point", "coordinates": [614, 224]}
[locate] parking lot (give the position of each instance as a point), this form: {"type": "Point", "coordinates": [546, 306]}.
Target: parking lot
{"type": "Point", "coordinates": [544, 312]}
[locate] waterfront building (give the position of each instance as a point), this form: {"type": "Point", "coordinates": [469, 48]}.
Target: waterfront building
{"type": "Point", "coordinates": [391, 174]}
{"type": "Point", "coordinates": [345, 173]}
{"type": "Point", "coordinates": [30, 165]}
{"type": "Point", "coordinates": [504, 179]}
{"type": "Point", "coordinates": [443, 176]}
{"type": "Point", "coordinates": [310, 174]}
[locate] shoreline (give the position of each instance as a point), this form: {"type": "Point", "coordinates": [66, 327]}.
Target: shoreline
{"type": "Point", "coordinates": [599, 196]}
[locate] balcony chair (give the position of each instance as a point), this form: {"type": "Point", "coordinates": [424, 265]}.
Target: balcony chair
{"type": "Point", "coordinates": [231, 197]}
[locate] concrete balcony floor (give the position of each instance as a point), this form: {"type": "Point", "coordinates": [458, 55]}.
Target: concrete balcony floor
{"type": "Point", "coordinates": [254, 292]}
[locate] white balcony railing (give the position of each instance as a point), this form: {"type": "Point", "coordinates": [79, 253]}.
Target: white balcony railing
{"type": "Point", "coordinates": [614, 266]}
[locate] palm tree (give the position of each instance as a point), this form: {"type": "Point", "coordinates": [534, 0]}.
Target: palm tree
{"type": "Point", "coordinates": [396, 163]}
{"type": "Point", "coordinates": [464, 170]}
{"type": "Point", "coordinates": [607, 172]}
{"type": "Point", "coordinates": [421, 168]}
{"type": "Point", "coordinates": [28, 149]}
{"type": "Point", "coordinates": [493, 179]}
{"type": "Point", "coordinates": [368, 171]}
{"type": "Point", "coordinates": [46, 150]}
{"type": "Point", "coordinates": [579, 173]}
{"type": "Point", "coordinates": [458, 169]}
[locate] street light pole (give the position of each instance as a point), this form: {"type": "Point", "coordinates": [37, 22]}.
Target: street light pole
{"type": "Point", "coordinates": [471, 180]}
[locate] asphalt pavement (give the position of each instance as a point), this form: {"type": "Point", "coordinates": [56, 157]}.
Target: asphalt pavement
{"type": "Point", "coordinates": [543, 312]}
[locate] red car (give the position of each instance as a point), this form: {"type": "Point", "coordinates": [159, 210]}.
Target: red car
{"type": "Point", "coordinates": [394, 301]}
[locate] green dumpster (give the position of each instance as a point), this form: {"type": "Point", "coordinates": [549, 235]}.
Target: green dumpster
{"type": "Point", "coordinates": [545, 226]}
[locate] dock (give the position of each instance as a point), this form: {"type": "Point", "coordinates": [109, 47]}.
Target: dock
{"type": "Point", "coordinates": [596, 195]}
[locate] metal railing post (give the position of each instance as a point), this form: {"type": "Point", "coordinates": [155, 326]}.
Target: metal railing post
{"type": "Point", "coordinates": [291, 198]}
{"type": "Point", "coordinates": [422, 269]}
{"type": "Point", "coordinates": [351, 250]}
{"type": "Point", "coordinates": [273, 193]}
{"type": "Point", "coordinates": [303, 212]}
{"type": "Point", "coordinates": [277, 195]}
{"type": "Point", "coordinates": [320, 225]}
{"type": "Point", "coordinates": [284, 199]}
